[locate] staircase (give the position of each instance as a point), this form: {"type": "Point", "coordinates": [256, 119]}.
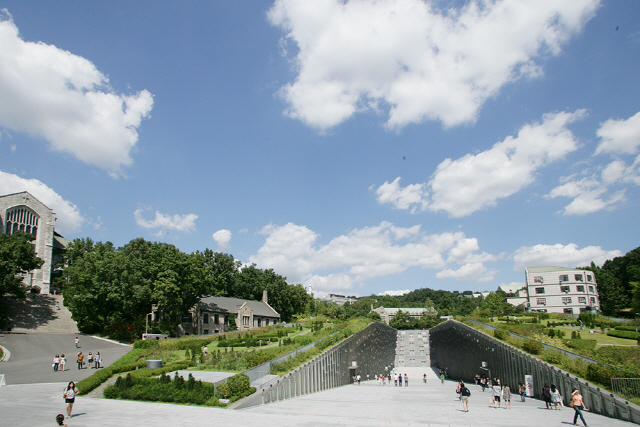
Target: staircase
{"type": "Point", "coordinates": [38, 314]}
{"type": "Point", "coordinates": [412, 349]}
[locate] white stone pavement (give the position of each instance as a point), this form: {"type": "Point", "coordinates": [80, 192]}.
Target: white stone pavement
{"type": "Point", "coordinates": [433, 404]}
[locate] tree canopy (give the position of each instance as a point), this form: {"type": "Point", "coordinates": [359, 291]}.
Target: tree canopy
{"type": "Point", "coordinates": [104, 285]}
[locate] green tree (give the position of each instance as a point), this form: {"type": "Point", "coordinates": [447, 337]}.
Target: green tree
{"type": "Point", "coordinates": [17, 257]}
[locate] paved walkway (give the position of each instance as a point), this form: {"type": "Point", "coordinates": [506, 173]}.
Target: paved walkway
{"type": "Point", "coordinates": [369, 404]}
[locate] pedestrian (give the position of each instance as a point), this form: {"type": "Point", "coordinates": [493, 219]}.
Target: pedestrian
{"type": "Point", "coordinates": [367, 377]}
{"type": "Point", "coordinates": [57, 305]}
{"type": "Point", "coordinates": [56, 362]}
{"type": "Point", "coordinates": [497, 393]}
{"type": "Point", "coordinates": [63, 361]}
{"type": "Point", "coordinates": [358, 378]}
{"type": "Point", "coordinates": [578, 406]}
{"type": "Point", "coordinates": [97, 359]}
{"type": "Point", "coordinates": [395, 381]}
{"type": "Point", "coordinates": [459, 389]}
{"type": "Point", "coordinates": [483, 383]}
{"type": "Point", "coordinates": [60, 420]}
{"type": "Point", "coordinates": [80, 360]}
{"type": "Point", "coordinates": [442, 378]}
{"type": "Point", "coordinates": [546, 395]}
{"type": "Point", "coordinates": [556, 398]}
{"type": "Point", "coordinates": [205, 351]}
{"type": "Point", "coordinates": [406, 380]}
{"type": "Point", "coordinates": [424, 378]}
{"type": "Point", "coordinates": [77, 341]}
{"type": "Point", "coordinates": [465, 393]}
{"type": "Point", "coordinates": [523, 392]}
{"type": "Point", "coordinates": [70, 397]}
{"type": "Point", "coordinates": [506, 396]}
{"type": "Point", "coordinates": [90, 360]}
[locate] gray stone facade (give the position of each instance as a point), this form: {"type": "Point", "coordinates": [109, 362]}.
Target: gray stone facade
{"type": "Point", "coordinates": [22, 211]}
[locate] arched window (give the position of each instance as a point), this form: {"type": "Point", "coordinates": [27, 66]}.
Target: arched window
{"type": "Point", "coordinates": [22, 218]}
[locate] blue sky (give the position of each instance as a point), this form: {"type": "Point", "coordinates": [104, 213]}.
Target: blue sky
{"type": "Point", "coordinates": [357, 147]}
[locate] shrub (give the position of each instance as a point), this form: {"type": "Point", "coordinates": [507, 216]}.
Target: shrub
{"type": "Point", "coordinates": [624, 334]}
{"type": "Point", "coordinates": [501, 334]}
{"type": "Point", "coordinates": [145, 343]}
{"type": "Point", "coordinates": [599, 373]}
{"type": "Point", "coordinates": [532, 347]}
{"type": "Point", "coordinates": [580, 344]}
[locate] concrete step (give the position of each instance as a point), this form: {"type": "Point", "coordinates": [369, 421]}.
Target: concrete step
{"type": "Point", "coordinates": [38, 314]}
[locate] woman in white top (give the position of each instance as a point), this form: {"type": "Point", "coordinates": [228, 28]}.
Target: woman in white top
{"type": "Point", "coordinates": [70, 396]}
{"type": "Point", "coordinates": [56, 362]}
{"type": "Point", "coordinates": [497, 394]}
{"type": "Point", "coordinates": [556, 399]}
{"type": "Point", "coordinates": [63, 361]}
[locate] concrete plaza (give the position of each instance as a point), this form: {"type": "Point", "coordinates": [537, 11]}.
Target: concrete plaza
{"type": "Point", "coordinates": [433, 404]}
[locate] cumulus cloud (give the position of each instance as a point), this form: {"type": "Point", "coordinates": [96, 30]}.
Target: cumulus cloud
{"type": "Point", "coordinates": [413, 197]}
{"type": "Point", "coordinates": [68, 217]}
{"type": "Point", "coordinates": [222, 237]}
{"type": "Point", "coordinates": [185, 223]}
{"type": "Point", "coordinates": [53, 94]}
{"type": "Point", "coordinates": [560, 256]}
{"type": "Point", "coordinates": [620, 136]}
{"type": "Point", "coordinates": [364, 254]}
{"type": "Point", "coordinates": [421, 62]}
{"type": "Point", "coordinates": [605, 188]}
{"type": "Point", "coordinates": [475, 181]}
{"type": "Point", "coordinates": [395, 293]}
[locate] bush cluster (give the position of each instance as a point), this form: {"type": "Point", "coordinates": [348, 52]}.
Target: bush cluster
{"type": "Point", "coordinates": [501, 334]}
{"type": "Point", "coordinates": [163, 389]}
{"type": "Point", "coordinates": [624, 334]}
{"type": "Point", "coordinates": [532, 346]}
{"type": "Point", "coordinates": [145, 343]}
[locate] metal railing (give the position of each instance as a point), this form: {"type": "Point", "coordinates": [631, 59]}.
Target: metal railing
{"type": "Point", "coordinates": [462, 349]}
{"type": "Point", "coordinates": [627, 387]}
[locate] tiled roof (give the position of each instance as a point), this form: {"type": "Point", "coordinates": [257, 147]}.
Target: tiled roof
{"type": "Point", "coordinates": [231, 305]}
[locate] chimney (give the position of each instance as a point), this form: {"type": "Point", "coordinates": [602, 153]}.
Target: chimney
{"type": "Point", "coordinates": [264, 297]}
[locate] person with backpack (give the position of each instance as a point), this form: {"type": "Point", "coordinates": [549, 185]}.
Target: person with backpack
{"type": "Point", "coordinates": [464, 396]}
{"type": "Point", "coordinates": [546, 395]}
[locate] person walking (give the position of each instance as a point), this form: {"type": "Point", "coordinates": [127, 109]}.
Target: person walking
{"type": "Point", "coordinates": [424, 378]}
{"type": "Point", "coordinates": [465, 393]}
{"type": "Point", "coordinates": [70, 397]}
{"type": "Point", "coordinates": [483, 383]}
{"type": "Point", "coordinates": [56, 362]}
{"type": "Point", "coordinates": [506, 396]}
{"type": "Point", "coordinates": [63, 361]}
{"type": "Point", "coordinates": [97, 360]}
{"type": "Point", "coordinates": [497, 393]}
{"type": "Point", "coordinates": [578, 407]}
{"type": "Point", "coordinates": [546, 395]}
{"type": "Point", "coordinates": [77, 342]}
{"type": "Point", "coordinates": [556, 399]}
{"type": "Point", "coordinates": [90, 360]}
{"type": "Point", "coordinates": [399, 380]}
{"type": "Point", "coordinates": [523, 392]}
{"type": "Point", "coordinates": [395, 381]}
{"type": "Point", "coordinates": [442, 377]}
{"type": "Point", "coordinates": [80, 360]}
{"type": "Point", "coordinates": [406, 380]}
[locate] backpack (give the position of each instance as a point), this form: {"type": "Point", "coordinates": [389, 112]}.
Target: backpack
{"type": "Point", "coordinates": [466, 392]}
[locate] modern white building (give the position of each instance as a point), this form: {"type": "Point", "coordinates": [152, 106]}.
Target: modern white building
{"type": "Point", "coordinates": [22, 211]}
{"type": "Point", "coordinates": [561, 290]}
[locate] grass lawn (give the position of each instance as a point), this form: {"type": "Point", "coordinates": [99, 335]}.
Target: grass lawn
{"type": "Point", "coordinates": [602, 339]}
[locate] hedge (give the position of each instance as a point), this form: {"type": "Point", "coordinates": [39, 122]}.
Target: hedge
{"type": "Point", "coordinates": [578, 344]}
{"type": "Point", "coordinates": [624, 334]}
{"type": "Point", "coordinates": [533, 347]}
{"type": "Point", "coordinates": [501, 334]}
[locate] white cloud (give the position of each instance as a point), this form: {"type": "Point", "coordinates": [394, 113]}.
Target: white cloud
{"type": "Point", "coordinates": [560, 256]}
{"type": "Point", "coordinates": [186, 222]}
{"type": "Point", "coordinates": [593, 192]}
{"type": "Point", "coordinates": [222, 237]}
{"type": "Point", "coordinates": [68, 215]}
{"type": "Point", "coordinates": [413, 197]}
{"type": "Point", "coordinates": [363, 254]}
{"type": "Point", "coordinates": [475, 181]}
{"type": "Point", "coordinates": [471, 271]}
{"type": "Point", "coordinates": [620, 136]}
{"type": "Point", "coordinates": [395, 293]}
{"type": "Point", "coordinates": [53, 94]}
{"type": "Point", "coordinates": [422, 62]}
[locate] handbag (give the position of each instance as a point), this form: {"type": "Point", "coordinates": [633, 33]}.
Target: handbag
{"type": "Point", "coordinates": [492, 401]}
